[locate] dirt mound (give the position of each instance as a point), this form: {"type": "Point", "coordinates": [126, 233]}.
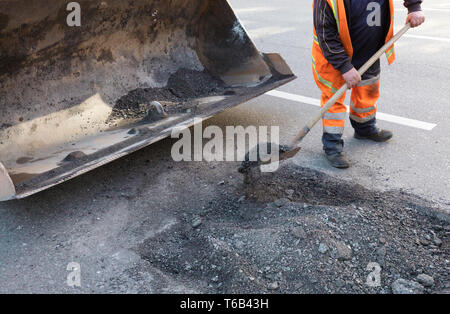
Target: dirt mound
{"type": "Point", "coordinates": [301, 231]}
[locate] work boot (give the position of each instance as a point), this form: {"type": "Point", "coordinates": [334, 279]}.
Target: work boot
{"type": "Point", "coordinates": [379, 136]}
{"type": "Point", "coordinates": [338, 160]}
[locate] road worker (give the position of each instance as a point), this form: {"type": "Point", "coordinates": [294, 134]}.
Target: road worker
{"type": "Point", "coordinates": [346, 34]}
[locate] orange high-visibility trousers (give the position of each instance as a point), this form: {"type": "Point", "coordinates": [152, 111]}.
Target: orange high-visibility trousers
{"type": "Point", "coordinates": [363, 105]}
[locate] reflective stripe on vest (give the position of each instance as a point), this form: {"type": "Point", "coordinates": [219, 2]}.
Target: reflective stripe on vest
{"type": "Point", "coordinates": [334, 7]}
{"type": "Point", "coordinates": [316, 39]}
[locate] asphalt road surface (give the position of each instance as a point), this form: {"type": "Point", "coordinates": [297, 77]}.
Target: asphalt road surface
{"type": "Point", "coordinates": [99, 220]}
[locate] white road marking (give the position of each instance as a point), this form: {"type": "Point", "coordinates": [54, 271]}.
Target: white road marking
{"type": "Point", "coordinates": [425, 10]}
{"type": "Point", "coordinates": [269, 31]}
{"type": "Point", "coordinates": [400, 2]}
{"type": "Point", "coordinates": [437, 10]}
{"type": "Point", "coordinates": [427, 37]}
{"type": "Point", "coordinates": [253, 10]}
{"type": "Point", "coordinates": [293, 97]}
{"type": "Point", "coordinates": [381, 116]}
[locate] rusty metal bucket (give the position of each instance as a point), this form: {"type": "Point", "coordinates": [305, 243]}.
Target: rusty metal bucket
{"type": "Point", "coordinates": [75, 98]}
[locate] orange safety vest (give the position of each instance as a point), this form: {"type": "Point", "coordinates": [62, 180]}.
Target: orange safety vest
{"type": "Point", "coordinates": [323, 70]}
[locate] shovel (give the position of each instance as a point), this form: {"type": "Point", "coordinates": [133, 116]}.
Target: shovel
{"type": "Point", "coordinates": [287, 152]}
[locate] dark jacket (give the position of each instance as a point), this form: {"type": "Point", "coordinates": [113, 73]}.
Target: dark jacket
{"type": "Point", "coordinates": [329, 40]}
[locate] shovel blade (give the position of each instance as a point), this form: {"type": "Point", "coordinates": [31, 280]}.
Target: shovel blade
{"type": "Point", "coordinates": [284, 155]}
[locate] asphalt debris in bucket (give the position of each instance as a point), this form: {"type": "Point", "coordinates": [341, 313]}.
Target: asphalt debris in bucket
{"type": "Point", "coordinates": [183, 89]}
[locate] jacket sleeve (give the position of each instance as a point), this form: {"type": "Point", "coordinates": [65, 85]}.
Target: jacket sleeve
{"type": "Point", "coordinates": [328, 36]}
{"type": "Point", "coordinates": [413, 5]}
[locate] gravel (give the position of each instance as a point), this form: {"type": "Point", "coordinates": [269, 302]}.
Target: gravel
{"type": "Point", "coordinates": [299, 233]}
{"type": "Point", "coordinates": [402, 286]}
{"type": "Point", "coordinates": [321, 240]}
{"type": "Point", "coordinates": [323, 248]}
{"type": "Point", "coordinates": [274, 286]}
{"type": "Point", "coordinates": [196, 222]}
{"type": "Point", "coordinates": [344, 251]}
{"type": "Point", "coordinates": [281, 202]}
{"type": "Point", "coordinates": [425, 280]}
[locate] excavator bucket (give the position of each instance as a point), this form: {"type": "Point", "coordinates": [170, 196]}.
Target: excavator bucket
{"type": "Point", "coordinates": [84, 83]}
